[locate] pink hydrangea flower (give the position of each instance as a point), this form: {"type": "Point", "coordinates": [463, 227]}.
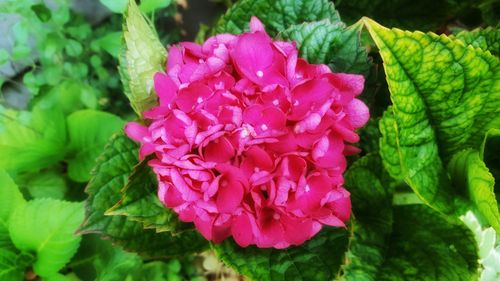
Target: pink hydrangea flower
{"type": "Point", "coordinates": [250, 141]}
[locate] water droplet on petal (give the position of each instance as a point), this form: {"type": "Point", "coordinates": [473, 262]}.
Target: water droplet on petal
{"type": "Point", "coordinates": [259, 73]}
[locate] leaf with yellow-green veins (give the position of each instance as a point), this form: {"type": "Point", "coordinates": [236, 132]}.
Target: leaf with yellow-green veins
{"type": "Point", "coordinates": [445, 97]}
{"type": "Point", "coordinates": [142, 56]}
{"type": "Point", "coordinates": [471, 176]}
{"type": "Point", "coordinates": [487, 39]}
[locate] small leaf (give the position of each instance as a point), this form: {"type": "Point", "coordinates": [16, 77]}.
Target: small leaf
{"type": "Point", "coordinates": [10, 199]}
{"type": "Point", "coordinates": [277, 15]}
{"type": "Point", "coordinates": [317, 259]}
{"type": "Point", "coordinates": [4, 56]}
{"type": "Point", "coordinates": [111, 43]}
{"type": "Point", "coordinates": [141, 58]}
{"type": "Point", "coordinates": [116, 6]}
{"type": "Point", "coordinates": [47, 227]}
{"type": "Point", "coordinates": [471, 176]}
{"type": "Point", "coordinates": [114, 166]}
{"type": "Point", "coordinates": [42, 12]}
{"type": "Point", "coordinates": [89, 130]}
{"type": "Point", "coordinates": [148, 6]}
{"type": "Point", "coordinates": [440, 106]}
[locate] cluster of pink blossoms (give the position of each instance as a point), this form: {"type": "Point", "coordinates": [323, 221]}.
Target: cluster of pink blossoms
{"type": "Point", "coordinates": [249, 141]}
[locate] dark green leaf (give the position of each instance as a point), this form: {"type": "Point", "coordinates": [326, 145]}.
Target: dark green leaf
{"type": "Point", "coordinates": [10, 269]}
{"type": "Point", "coordinates": [140, 202]}
{"type": "Point", "coordinates": [317, 259]}
{"type": "Point", "coordinates": [110, 176]}
{"type": "Point", "coordinates": [369, 184]}
{"type": "Point", "coordinates": [426, 246]}
{"type": "Point", "coordinates": [330, 43]}
{"type": "Point", "coordinates": [276, 15]}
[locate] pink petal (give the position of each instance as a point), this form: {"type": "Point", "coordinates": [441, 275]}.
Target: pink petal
{"type": "Point", "coordinates": [229, 196]}
{"type": "Point", "coordinates": [358, 113]}
{"type": "Point", "coordinates": [136, 131]}
{"type": "Point", "coordinates": [256, 25]}
{"type": "Point", "coordinates": [242, 230]}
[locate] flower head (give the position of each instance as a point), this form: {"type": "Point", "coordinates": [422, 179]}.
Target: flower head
{"type": "Point", "coordinates": [249, 140]}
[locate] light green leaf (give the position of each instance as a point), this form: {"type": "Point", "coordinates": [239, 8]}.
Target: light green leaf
{"type": "Point", "coordinates": [89, 130]}
{"type": "Point", "coordinates": [116, 6]}
{"type": "Point", "coordinates": [487, 39]}
{"type": "Point", "coordinates": [49, 184]}
{"type": "Point", "coordinates": [47, 227]}
{"type": "Point", "coordinates": [471, 176]}
{"type": "Point", "coordinates": [141, 58]}
{"type": "Point", "coordinates": [4, 56]}
{"type": "Point", "coordinates": [317, 259]}
{"type": "Point", "coordinates": [110, 176]}
{"type": "Point", "coordinates": [140, 202]}
{"type": "Point", "coordinates": [148, 6]}
{"type": "Point", "coordinates": [370, 189]}
{"type": "Point", "coordinates": [11, 266]}
{"type": "Point", "coordinates": [277, 15]}
{"type": "Point", "coordinates": [330, 43]}
{"type": "Point", "coordinates": [31, 140]}
{"type": "Point", "coordinates": [426, 246]}
{"type": "Point", "coordinates": [445, 97]}
{"type": "Point", "coordinates": [111, 43]}
{"type": "Point", "coordinates": [10, 199]}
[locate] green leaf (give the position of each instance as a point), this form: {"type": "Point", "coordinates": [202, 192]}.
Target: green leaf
{"type": "Point", "coordinates": [73, 48]}
{"type": "Point", "coordinates": [440, 106]}
{"type": "Point", "coordinates": [10, 267]}
{"type": "Point", "coordinates": [370, 189]}
{"type": "Point", "coordinates": [113, 169]}
{"type": "Point", "coordinates": [426, 246]}
{"type": "Point", "coordinates": [10, 199]}
{"type": "Point", "coordinates": [140, 202]}
{"type": "Point", "coordinates": [111, 43]}
{"type": "Point", "coordinates": [46, 227]}
{"type": "Point", "coordinates": [471, 176]}
{"type": "Point", "coordinates": [42, 12]}
{"type": "Point", "coordinates": [330, 43]}
{"type": "Point", "coordinates": [487, 39]}
{"type": "Point", "coordinates": [89, 130]}
{"type": "Point", "coordinates": [141, 58]}
{"type": "Point", "coordinates": [116, 6]}
{"type": "Point", "coordinates": [148, 6]}
{"type": "Point", "coordinates": [4, 56]}
{"type": "Point", "coordinates": [317, 259]}
{"type": "Point", "coordinates": [49, 184]}
{"type": "Point", "coordinates": [276, 15]}
{"type": "Point", "coordinates": [31, 140]}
